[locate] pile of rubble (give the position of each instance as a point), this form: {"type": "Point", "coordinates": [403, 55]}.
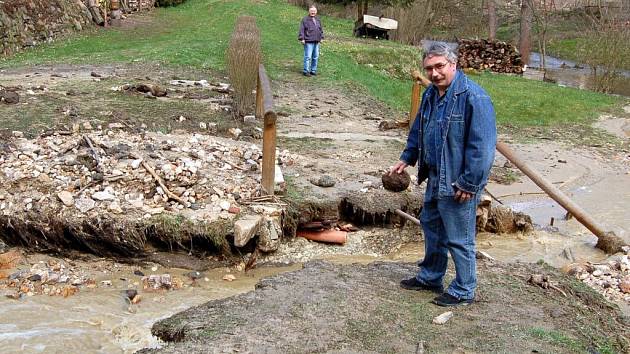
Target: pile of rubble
{"type": "Point", "coordinates": [611, 278]}
{"type": "Point", "coordinates": [135, 176]}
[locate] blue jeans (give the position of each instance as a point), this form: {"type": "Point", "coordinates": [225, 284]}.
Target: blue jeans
{"type": "Point", "coordinates": [449, 226]}
{"type": "Point", "coordinates": [311, 54]}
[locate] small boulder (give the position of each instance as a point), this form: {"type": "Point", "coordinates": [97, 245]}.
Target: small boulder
{"type": "Point", "coordinates": [9, 97]}
{"type": "Point", "coordinates": [245, 228]}
{"type": "Point", "coordinates": [324, 181]}
{"type": "Point", "coordinates": [396, 182]}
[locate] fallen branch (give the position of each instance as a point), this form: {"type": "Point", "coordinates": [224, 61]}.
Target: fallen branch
{"type": "Point", "coordinates": [94, 152]}
{"type": "Point", "coordinates": [157, 178]}
{"type": "Point", "coordinates": [231, 164]}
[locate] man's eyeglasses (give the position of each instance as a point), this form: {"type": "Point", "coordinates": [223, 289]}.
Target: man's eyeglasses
{"type": "Point", "coordinates": [437, 66]}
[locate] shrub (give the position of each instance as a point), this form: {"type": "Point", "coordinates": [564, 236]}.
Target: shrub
{"type": "Point", "coordinates": [166, 3]}
{"type": "Point", "coordinates": [606, 49]}
{"type": "Point", "coordinates": [243, 57]}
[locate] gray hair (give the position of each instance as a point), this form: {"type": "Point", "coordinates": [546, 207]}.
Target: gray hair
{"type": "Point", "coordinates": [442, 49]}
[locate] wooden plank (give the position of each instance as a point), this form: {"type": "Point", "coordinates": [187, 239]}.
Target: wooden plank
{"type": "Point", "coordinates": [269, 153]}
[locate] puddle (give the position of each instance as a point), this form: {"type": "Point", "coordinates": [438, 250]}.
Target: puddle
{"type": "Point", "coordinates": [100, 321]}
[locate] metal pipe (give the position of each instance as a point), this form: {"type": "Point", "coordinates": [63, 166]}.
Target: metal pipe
{"type": "Point", "coordinates": [407, 216]}
{"type": "Point", "coordinates": [580, 214]}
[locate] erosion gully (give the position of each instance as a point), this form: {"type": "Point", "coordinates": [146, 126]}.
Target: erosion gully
{"type": "Point", "coordinates": [102, 320]}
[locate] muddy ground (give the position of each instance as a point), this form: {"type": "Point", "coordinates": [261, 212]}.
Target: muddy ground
{"type": "Point", "coordinates": [337, 135]}
{"type": "Point", "coordinates": [328, 308]}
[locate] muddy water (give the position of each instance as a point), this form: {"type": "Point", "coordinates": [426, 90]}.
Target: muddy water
{"type": "Point", "coordinates": [102, 321]}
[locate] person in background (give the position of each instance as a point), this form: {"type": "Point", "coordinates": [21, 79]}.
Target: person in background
{"type": "Point", "coordinates": [452, 140]}
{"type": "Point", "coordinates": [311, 34]}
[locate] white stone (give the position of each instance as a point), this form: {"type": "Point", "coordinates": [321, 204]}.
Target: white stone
{"type": "Point", "coordinates": [84, 204]}
{"type": "Point", "coordinates": [443, 318]}
{"type": "Point", "coordinates": [224, 204]}
{"type": "Point", "coordinates": [136, 163]}
{"type": "Point", "coordinates": [249, 119]}
{"type": "Point", "coordinates": [235, 132]}
{"type": "Point", "coordinates": [66, 198]}
{"type": "Point", "coordinates": [102, 196]}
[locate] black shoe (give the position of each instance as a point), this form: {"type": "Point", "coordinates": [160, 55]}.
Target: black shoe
{"type": "Point", "coordinates": [447, 300]}
{"type": "Point", "coordinates": [414, 284]}
{"type": "Point", "coordinates": [313, 74]}
{"type": "Point", "coordinates": [306, 74]}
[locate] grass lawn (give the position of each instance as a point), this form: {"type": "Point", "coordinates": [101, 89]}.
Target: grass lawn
{"type": "Point", "coordinates": [196, 34]}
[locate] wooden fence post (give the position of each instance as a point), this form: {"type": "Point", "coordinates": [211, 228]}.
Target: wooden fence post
{"type": "Point", "coordinates": [269, 153]}
{"type": "Point", "coordinates": [264, 107]}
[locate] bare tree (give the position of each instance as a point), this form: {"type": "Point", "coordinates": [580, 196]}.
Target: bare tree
{"type": "Point", "coordinates": [525, 37]}
{"type": "Point", "coordinates": [492, 19]}
{"type": "Point", "coordinates": [541, 18]}
{"type": "Point", "coordinates": [606, 47]}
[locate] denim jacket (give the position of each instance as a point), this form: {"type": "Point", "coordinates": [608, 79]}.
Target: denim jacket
{"type": "Point", "coordinates": [469, 138]}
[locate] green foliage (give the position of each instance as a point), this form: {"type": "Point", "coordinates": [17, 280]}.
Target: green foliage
{"type": "Point", "coordinates": [196, 34]}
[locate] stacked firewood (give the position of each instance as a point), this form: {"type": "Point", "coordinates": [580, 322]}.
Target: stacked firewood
{"type": "Point", "coordinates": [482, 54]}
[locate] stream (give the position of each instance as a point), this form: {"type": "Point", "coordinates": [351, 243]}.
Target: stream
{"type": "Point", "coordinates": [568, 73]}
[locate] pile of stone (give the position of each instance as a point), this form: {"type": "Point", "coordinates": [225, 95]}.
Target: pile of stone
{"type": "Point", "coordinates": [46, 278]}
{"type": "Point", "coordinates": [26, 23]}
{"type": "Point", "coordinates": [201, 177]}
{"type": "Point", "coordinates": [610, 278]}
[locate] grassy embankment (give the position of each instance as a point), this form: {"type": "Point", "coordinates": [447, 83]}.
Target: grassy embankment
{"type": "Point", "coordinates": [196, 35]}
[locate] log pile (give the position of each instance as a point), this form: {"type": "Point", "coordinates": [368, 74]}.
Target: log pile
{"type": "Point", "coordinates": [482, 54]}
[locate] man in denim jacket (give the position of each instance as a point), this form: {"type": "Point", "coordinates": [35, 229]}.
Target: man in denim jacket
{"type": "Point", "coordinates": [310, 35]}
{"type": "Point", "coordinates": [453, 141]}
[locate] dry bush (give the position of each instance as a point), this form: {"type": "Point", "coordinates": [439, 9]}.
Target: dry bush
{"type": "Point", "coordinates": [606, 49]}
{"type": "Point", "coordinates": [413, 21]}
{"type": "Point", "coordinates": [243, 58]}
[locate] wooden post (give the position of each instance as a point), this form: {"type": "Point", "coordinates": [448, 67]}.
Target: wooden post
{"type": "Point", "coordinates": [260, 109]}
{"type": "Point", "coordinates": [264, 107]}
{"type": "Point", "coordinates": [269, 153]}
{"type": "Point", "coordinates": [415, 102]}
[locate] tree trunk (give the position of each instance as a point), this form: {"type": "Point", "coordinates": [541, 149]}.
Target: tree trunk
{"type": "Point", "coordinates": [492, 20]}
{"type": "Point", "coordinates": [525, 40]}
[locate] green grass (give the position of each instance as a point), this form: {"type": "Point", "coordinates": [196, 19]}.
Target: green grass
{"type": "Point", "coordinates": [196, 34]}
{"type": "Point", "coordinates": [557, 338]}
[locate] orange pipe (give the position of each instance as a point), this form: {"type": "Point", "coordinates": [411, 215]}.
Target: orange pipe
{"type": "Point", "coordinates": [330, 236]}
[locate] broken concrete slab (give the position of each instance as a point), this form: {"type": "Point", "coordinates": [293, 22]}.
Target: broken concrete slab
{"type": "Point", "coordinates": [246, 228]}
